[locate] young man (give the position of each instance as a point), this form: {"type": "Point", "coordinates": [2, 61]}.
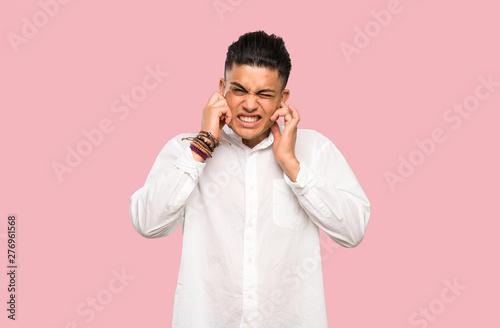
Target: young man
{"type": "Point", "coordinates": [251, 206]}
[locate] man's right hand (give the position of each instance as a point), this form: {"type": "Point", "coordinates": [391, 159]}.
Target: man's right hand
{"type": "Point", "coordinates": [216, 114]}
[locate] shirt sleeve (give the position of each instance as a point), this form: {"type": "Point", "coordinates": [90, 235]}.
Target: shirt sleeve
{"type": "Point", "coordinates": [332, 196]}
{"type": "Point", "coordinates": [157, 208]}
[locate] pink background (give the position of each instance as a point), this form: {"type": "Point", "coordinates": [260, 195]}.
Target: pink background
{"type": "Point", "coordinates": [439, 225]}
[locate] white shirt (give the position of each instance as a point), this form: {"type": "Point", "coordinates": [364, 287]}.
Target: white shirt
{"type": "Point", "coordinates": [250, 245]}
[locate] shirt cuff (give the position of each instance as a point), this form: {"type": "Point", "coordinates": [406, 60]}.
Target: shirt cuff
{"type": "Point", "coordinates": [188, 164]}
{"type": "Point", "coordinates": [305, 185]}
{"type": "Point", "coordinates": [306, 179]}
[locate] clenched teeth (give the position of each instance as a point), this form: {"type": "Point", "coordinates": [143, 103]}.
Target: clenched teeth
{"type": "Point", "coordinates": [249, 119]}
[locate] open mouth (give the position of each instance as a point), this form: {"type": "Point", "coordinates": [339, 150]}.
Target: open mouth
{"type": "Point", "coordinates": [249, 119]}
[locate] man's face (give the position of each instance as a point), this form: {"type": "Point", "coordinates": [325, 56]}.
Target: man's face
{"type": "Point", "coordinates": [253, 94]}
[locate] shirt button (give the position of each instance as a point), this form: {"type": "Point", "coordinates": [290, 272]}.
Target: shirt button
{"type": "Point", "coordinates": [250, 295]}
{"type": "Point", "coordinates": [250, 259]}
{"type": "Point", "coordinates": [250, 224]}
{"type": "Point", "coordinates": [252, 188]}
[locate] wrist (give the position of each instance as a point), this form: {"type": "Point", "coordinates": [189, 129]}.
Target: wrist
{"type": "Point", "coordinates": [197, 157]}
{"type": "Point", "coordinates": [203, 145]}
{"type": "Point", "coordinates": [291, 168]}
{"type": "Point", "coordinates": [288, 161]}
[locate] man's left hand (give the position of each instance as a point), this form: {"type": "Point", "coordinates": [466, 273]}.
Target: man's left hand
{"type": "Point", "coordinates": [284, 144]}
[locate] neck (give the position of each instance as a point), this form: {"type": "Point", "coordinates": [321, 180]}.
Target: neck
{"type": "Point", "coordinates": [254, 142]}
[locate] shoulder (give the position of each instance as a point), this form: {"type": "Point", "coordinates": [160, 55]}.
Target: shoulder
{"type": "Point", "coordinates": [176, 144]}
{"type": "Point", "coordinates": [309, 135]}
{"type": "Point", "coordinates": [180, 136]}
{"type": "Point", "coordinates": [315, 146]}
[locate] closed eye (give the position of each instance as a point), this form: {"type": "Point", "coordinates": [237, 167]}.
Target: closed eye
{"type": "Point", "coordinates": [238, 92]}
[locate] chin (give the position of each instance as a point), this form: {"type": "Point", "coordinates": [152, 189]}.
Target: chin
{"type": "Point", "coordinates": [247, 133]}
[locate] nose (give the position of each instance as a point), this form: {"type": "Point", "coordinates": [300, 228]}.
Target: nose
{"type": "Point", "coordinates": [250, 102]}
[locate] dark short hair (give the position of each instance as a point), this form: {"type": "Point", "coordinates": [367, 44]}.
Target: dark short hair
{"type": "Point", "coordinates": [260, 50]}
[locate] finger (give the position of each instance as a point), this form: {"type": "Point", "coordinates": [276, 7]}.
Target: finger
{"type": "Point", "coordinates": [275, 115]}
{"type": "Point", "coordinates": [285, 113]}
{"type": "Point", "coordinates": [218, 111]}
{"type": "Point", "coordinates": [292, 116]}
{"type": "Point", "coordinates": [229, 115]}
{"type": "Point", "coordinates": [291, 120]}
{"type": "Point", "coordinates": [275, 130]}
{"type": "Point", "coordinates": [294, 112]}
{"type": "Point", "coordinates": [216, 96]}
{"type": "Point", "coordinates": [223, 111]}
{"type": "Point", "coordinates": [219, 103]}
{"type": "Point", "coordinates": [279, 112]}
{"type": "Point", "coordinates": [283, 105]}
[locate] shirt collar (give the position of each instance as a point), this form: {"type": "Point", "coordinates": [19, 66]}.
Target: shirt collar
{"type": "Point", "coordinates": [227, 131]}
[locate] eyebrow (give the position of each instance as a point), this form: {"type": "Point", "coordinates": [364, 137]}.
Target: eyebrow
{"type": "Point", "coordinates": [260, 91]}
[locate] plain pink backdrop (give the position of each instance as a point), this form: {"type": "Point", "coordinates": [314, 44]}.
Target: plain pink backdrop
{"type": "Point", "coordinates": [436, 225]}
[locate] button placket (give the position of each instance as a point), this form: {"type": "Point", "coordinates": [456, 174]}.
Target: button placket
{"type": "Point", "coordinates": [250, 309]}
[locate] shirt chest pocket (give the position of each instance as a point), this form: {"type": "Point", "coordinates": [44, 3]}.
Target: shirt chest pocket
{"type": "Point", "coordinates": [287, 212]}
